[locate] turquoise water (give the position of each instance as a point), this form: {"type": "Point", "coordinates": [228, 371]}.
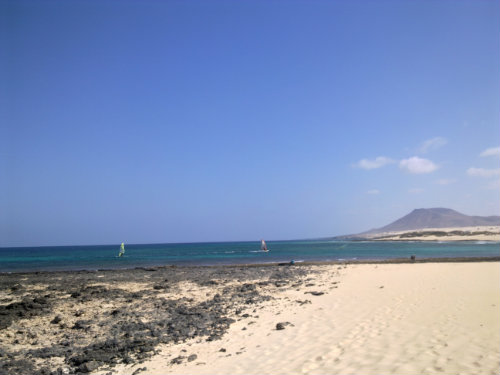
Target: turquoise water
{"type": "Point", "coordinates": [18, 259]}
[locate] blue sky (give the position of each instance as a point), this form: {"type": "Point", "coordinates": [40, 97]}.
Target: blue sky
{"type": "Point", "coordinates": [181, 121]}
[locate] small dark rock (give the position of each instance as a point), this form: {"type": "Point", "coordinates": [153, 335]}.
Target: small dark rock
{"type": "Point", "coordinates": [128, 360]}
{"type": "Point", "coordinates": [177, 360]}
{"type": "Point", "coordinates": [315, 293]}
{"type": "Point", "coordinates": [88, 366]}
{"type": "Point", "coordinates": [139, 370]}
{"type": "Point", "coordinates": [79, 324]}
{"type": "Point", "coordinates": [56, 319]}
{"type": "Point", "coordinates": [222, 350]}
{"type": "Point", "coordinates": [282, 325]}
{"type": "Point", "coordinates": [247, 288]}
{"type": "Point", "coordinates": [40, 300]}
{"type": "Point", "coordinates": [192, 357]}
{"type": "Point", "coordinates": [16, 287]}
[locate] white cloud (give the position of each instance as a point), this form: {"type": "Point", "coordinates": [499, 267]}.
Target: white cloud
{"type": "Point", "coordinates": [483, 172]}
{"type": "Point", "coordinates": [373, 192]}
{"type": "Point", "coordinates": [375, 163]}
{"type": "Point", "coordinates": [493, 151]}
{"type": "Point", "coordinates": [432, 144]}
{"type": "Point", "coordinates": [417, 165]}
{"type": "Point", "coordinates": [415, 190]}
{"type": "Point", "coordinates": [446, 181]}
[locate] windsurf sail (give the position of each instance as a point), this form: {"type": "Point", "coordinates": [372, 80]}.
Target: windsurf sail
{"type": "Point", "coordinates": [122, 250]}
{"type": "Point", "coordinates": [263, 245]}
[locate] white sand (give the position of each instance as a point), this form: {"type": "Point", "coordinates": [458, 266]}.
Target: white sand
{"type": "Point", "coordinates": [433, 318]}
{"type": "Point", "coordinates": [493, 234]}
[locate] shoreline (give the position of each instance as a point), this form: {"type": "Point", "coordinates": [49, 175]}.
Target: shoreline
{"type": "Point", "coordinates": [490, 233]}
{"type": "Point", "coordinates": [272, 264]}
{"type": "Point", "coordinates": [397, 317]}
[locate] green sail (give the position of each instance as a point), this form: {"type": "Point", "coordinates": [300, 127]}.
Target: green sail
{"type": "Point", "coordinates": [122, 250]}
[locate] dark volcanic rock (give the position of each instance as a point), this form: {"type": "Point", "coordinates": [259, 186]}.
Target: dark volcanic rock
{"type": "Point", "coordinates": [280, 326]}
{"type": "Point", "coordinates": [281, 283]}
{"type": "Point", "coordinates": [246, 288]}
{"type": "Point", "coordinates": [26, 308]}
{"type": "Point", "coordinates": [16, 288]}
{"type": "Point", "coordinates": [17, 366]}
{"type": "Point", "coordinates": [88, 366]}
{"type": "Point", "coordinates": [177, 360]}
{"type": "Point", "coordinates": [80, 324]}
{"type": "Point", "coordinates": [128, 326]}
{"type": "Point", "coordinates": [315, 293]}
{"type": "Point", "coordinates": [56, 319]}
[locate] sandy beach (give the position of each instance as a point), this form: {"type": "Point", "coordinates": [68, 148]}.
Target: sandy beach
{"type": "Point", "coordinates": [409, 318]}
{"type": "Point", "coordinates": [476, 233]}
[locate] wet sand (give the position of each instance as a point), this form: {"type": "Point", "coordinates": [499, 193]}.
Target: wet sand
{"type": "Point", "coordinates": [385, 317]}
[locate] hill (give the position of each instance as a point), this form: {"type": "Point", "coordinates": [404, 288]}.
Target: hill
{"type": "Point", "coordinates": [435, 218]}
{"type": "Point", "coordinates": [422, 218]}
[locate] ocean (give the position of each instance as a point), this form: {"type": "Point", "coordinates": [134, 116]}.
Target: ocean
{"type": "Point", "coordinates": [59, 258]}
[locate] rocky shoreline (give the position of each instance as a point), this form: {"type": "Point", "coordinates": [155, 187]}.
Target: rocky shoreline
{"type": "Point", "coordinates": [87, 321]}
{"type": "Point", "coordinates": [78, 322]}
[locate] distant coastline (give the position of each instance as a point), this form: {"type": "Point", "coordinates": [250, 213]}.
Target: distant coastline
{"type": "Point", "coordinates": [476, 233]}
{"type": "Point", "coordinates": [434, 224]}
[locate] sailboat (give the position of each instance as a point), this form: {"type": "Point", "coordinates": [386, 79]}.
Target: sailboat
{"type": "Point", "coordinates": [122, 250]}
{"type": "Point", "coordinates": [263, 246]}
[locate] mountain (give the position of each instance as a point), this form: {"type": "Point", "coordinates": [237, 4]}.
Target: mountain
{"type": "Point", "coordinates": [422, 218]}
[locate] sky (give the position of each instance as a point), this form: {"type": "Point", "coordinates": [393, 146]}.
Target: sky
{"type": "Point", "coordinates": [193, 121]}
